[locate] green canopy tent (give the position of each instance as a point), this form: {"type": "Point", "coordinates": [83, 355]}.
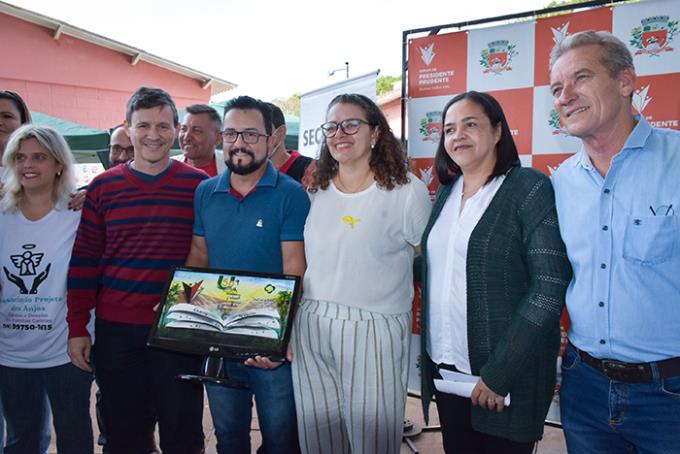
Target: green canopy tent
{"type": "Point", "coordinates": [293, 127]}
{"type": "Point", "coordinates": [91, 145]}
{"type": "Point", "coordinates": [84, 142]}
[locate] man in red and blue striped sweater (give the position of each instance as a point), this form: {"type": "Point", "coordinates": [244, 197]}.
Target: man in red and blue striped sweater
{"type": "Point", "coordinates": [136, 225]}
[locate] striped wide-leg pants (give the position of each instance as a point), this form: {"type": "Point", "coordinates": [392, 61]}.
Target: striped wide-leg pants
{"type": "Point", "coordinates": [350, 369]}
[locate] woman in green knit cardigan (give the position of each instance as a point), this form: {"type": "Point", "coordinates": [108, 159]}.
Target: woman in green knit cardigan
{"type": "Point", "coordinates": [495, 273]}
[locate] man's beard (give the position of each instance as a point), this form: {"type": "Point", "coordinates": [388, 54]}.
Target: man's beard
{"type": "Point", "coordinates": [242, 169]}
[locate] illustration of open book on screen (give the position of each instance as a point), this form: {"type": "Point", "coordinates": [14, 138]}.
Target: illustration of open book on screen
{"type": "Point", "coordinates": [226, 312]}
{"type": "Point", "coordinates": [262, 322]}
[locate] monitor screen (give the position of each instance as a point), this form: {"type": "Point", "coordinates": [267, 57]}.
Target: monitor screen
{"type": "Point", "coordinates": [226, 313]}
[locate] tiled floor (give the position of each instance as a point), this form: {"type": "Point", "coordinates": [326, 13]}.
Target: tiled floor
{"type": "Point", "coordinates": [428, 442]}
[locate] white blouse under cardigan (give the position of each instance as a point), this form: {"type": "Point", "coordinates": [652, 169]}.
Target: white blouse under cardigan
{"type": "Point", "coordinates": [447, 253]}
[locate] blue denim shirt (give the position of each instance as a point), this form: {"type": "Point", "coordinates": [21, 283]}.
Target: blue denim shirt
{"type": "Point", "coordinates": [622, 234]}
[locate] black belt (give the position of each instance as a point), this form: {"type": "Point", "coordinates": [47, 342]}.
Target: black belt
{"type": "Point", "coordinates": [631, 372]}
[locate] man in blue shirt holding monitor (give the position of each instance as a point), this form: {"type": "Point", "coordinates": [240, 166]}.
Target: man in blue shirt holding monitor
{"type": "Point", "coordinates": [251, 218]}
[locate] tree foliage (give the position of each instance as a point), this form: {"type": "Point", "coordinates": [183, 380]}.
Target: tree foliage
{"type": "Point", "coordinates": [385, 84]}
{"type": "Point", "coordinates": [173, 292]}
{"type": "Point", "coordinates": [283, 299]}
{"type": "Point", "coordinates": [290, 106]}
{"type": "Point", "coordinates": [554, 3]}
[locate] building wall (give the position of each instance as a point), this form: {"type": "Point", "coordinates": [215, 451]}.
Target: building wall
{"type": "Point", "coordinates": [77, 80]}
{"type": "Point", "coordinates": [392, 111]}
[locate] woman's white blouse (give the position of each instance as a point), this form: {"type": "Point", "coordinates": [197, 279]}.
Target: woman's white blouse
{"type": "Point", "coordinates": [360, 247]}
{"type": "Point", "coordinates": [447, 252]}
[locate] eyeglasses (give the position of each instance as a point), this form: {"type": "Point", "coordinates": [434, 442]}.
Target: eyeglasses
{"type": "Point", "coordinates": [250, 137]}
{"type": "Point", "coordinates": [118, 149]}
{"type": "Point", "coordinates": [350, 126]}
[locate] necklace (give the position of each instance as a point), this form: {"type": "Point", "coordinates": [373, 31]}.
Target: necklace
{"type": "Point", "coordinates": [363, 184]}
{"type": "Point", "coordinates": [471, 192]}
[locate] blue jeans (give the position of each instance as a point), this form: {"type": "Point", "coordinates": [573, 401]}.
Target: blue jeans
{"type": "Point", "coordinates": [23, 395]}
{"type": "Point", "coordinates": [231, 410]}
{"type": "Point", "coordinates": [604, 416]}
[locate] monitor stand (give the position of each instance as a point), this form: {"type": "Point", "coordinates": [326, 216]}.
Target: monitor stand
{"type": "Point", "coordinates": [214, 370]}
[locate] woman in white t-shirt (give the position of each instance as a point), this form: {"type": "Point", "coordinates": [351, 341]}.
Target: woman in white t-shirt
{"type": "Point", "coordinates": [352, 332]}
{"type": "Point", "coordinates": [36, 237]}
{"type": "Point", "coordinates": [14, 113]}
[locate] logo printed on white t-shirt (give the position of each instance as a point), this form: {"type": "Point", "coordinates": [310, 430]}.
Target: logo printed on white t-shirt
{"type": "Point", "coordinates": [27, 263]}
{"type": "Point", "coordinates": [351, 221]}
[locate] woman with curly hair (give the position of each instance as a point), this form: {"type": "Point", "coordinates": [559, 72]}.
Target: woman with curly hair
{"type": "Point", "coordinates": [352, 332]}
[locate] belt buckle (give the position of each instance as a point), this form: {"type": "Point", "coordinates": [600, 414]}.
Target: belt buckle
{"type": "Point", "coordinates": [614, 370]}
{"type": "Point", "coordinates": [618, 371]}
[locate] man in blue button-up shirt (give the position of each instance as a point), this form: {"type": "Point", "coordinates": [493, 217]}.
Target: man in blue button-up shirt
{"type": "Point", "coordinates": [617, 200]}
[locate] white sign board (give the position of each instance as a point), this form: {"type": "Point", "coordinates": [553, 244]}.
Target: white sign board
{"type": "Point", "coordinates": [313, 107]}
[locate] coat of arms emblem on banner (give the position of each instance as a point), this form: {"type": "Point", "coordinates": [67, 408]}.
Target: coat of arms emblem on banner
{"type": "Point", "coordinates": [431, 126]}
{"type": "Point", "coordinates": [556, 124]}
{"type": "Point", "coordinates": [654, 35]}
{"type": "Point", "coordinates": [497, 56]}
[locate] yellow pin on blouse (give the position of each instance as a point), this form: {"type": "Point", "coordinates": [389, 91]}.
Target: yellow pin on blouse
{"type": "Point", "coordinates": [351, 221]}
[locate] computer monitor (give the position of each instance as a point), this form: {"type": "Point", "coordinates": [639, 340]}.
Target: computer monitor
{"type": "Point", "coordinates": [226, 313]}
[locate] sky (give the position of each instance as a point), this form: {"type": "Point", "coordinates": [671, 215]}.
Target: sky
{"type": "Point", "coordinates": [272, 48]}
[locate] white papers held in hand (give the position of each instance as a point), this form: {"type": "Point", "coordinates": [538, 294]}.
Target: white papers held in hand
{"type": "Point", "coordinates": [459, 384]}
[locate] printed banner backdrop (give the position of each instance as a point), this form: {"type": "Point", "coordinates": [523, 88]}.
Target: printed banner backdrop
{"type": "Point", "coordinates": [313, 107]}
{"type": "Point", "coordinates": [511, 62]}
{"type": "Point", "coordinates": [438, 66]}
{"type": "Point", "coordinates": [501, 57]}
{"type": "Point", "coordinates": [425, 125]}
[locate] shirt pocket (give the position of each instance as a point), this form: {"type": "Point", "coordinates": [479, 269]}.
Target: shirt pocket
{"type": "Point", "coordinates": [650, 240]}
